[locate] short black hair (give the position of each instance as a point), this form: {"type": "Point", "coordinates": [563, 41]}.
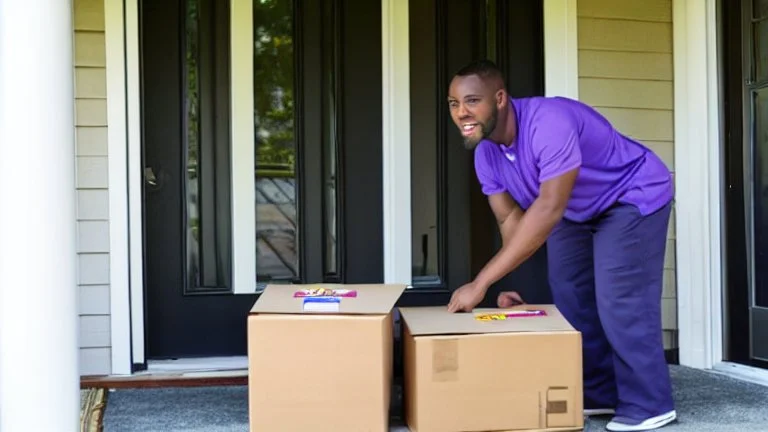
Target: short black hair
{"type": "Point", "coordinates": [484, 68]}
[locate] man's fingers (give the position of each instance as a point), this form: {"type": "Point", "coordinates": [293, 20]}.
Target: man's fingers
{"type": "Point", "coordinates": [452, 305]}
{"type": "Point", "coordinates": [508, 299]}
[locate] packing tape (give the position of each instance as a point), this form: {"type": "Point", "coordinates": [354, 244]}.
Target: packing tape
{"type": "Point", "coordinates": [445, 360]}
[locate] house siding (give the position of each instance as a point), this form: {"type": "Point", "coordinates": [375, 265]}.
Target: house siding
{"type": "Point", "coordinates": [625, 72]}
{"type": "Point", "coordinates": [92, 186]}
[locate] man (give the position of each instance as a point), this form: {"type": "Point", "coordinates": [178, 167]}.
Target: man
{"type": "Point", "coordinates": [556, 171]}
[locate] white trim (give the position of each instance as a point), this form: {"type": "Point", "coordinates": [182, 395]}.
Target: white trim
{"type": "Point", "coordinates": [396, 140]}
{"type": "Point", "coordinates": [119, 284]}
{"type": "Point", "coordinates": [561, 53]}
{"type": "Point", "coordinates": [243, 149]}
{"type": "Point", "coordinates": [742, 372]}
{"type": "Point", "coordinates": [135, 172]}
{"type": "Point", "coordinates": [698, 182]}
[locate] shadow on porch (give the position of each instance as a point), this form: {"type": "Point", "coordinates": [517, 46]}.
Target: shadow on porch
{"type": "Point", "coordinates": [706, 401]}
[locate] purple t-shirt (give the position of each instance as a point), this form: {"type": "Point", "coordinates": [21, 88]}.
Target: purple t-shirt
{"type": "Point", "coordinates": [556, 135]}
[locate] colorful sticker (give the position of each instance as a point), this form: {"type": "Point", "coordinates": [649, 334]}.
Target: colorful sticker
{"type": "Point", "coordinates": [502, 316]}
{"type": "Point", "coordinates": [324, 292]}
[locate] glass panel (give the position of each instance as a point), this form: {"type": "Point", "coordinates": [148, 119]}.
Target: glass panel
{"type": "Point", "coordinates": [490, 41]}
{"type": "Point", "coordinates": [330, 140]}
{"type": "Point", "coordinates": [760, 44]}
{"type": "Point", "coordinates": [760, 8]}
{"type": "Point", "coordinates": [760, 149]}
{"type": "Point", "coordinates": [276, 215]}
{"type": "Point", "coordinates": [424, 141]}
{"type": "Point", "coordinates": [207, 208]}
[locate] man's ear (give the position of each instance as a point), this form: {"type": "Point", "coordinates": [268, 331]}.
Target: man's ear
{"type": "Point", "coordinates": [501, 98]}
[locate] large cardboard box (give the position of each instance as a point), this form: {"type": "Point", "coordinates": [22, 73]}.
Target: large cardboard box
{"type": "Point", "coordinates": [520, 370]}
{"type": "Point", "coordinates": [321, 361]}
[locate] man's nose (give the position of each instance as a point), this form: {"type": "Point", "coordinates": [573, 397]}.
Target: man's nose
{"type": "Point", "coordinates": [462, 111]}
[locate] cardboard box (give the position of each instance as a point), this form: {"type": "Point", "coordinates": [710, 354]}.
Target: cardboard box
{"type": "Point", "coordinates": [321, 363]}
{"type": "Point", "coordinates": [515, 372]}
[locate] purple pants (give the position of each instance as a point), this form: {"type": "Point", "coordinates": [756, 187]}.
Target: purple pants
{"type": "Point", "coordinates": [606, 279]}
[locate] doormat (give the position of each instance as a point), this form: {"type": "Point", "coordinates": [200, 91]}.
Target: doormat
{"type": "Point", "coordinates": [93, 403]}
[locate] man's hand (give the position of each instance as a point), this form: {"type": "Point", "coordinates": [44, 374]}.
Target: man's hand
{"type": "Point", "coordinates": [466, 298]}
{"type": "Point", "coordinates": [508, 299]}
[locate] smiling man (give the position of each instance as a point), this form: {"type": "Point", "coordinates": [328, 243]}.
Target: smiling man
{"type": "Point", "coordinates": [557, 172]}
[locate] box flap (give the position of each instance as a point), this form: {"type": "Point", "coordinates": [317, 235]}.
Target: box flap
{"type": "Point", "coordinates": [524, 318]}
{"type": "Point", "coordinates": [360, 299]}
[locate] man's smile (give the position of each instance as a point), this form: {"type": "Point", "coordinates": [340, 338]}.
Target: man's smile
{"type": "Point", "coordinates": [469, 128]}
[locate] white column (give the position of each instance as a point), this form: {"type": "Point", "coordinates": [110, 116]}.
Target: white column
{"type": "Point", "coordinates": [38, 312]}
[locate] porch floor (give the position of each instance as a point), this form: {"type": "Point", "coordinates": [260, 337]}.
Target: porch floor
{"type": "Point", "coordinates": [706, 401]}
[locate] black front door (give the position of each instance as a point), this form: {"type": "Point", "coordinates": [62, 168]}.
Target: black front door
{"type": "Point", "coordinates": [745, 25]}
{"type": "Point", "coordinates": [316, 170]}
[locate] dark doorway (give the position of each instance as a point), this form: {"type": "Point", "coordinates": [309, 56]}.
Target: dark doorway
{"type": "Point", "coordinates": [317, 170]}
{"type": "Point", "coordinates": [745, 44]}
{"type": "Point", "coordinates": [454, 231]}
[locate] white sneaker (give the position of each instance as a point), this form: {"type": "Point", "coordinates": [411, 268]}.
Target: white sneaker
{"type": "Point", "coordinates": [620, 425]}
{"type": "Point", "coordinates": [599, 412]}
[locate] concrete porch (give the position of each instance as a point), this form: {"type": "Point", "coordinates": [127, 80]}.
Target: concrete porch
{"type": "Point", "coordinates": [706, 401]}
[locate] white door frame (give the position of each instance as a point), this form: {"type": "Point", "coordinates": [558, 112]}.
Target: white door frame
{"type": "Point", "coordinates": [124, 153]}
{"type": "Point", "coordinates": [698, 182]}
{"type": "Point", "coordinates": [125, 173]}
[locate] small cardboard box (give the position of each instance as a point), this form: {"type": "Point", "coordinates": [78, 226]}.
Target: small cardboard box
{"type": "Point", "coordinates": [520, 369]}
{"type": "Point", "coordinates": [321, 361]}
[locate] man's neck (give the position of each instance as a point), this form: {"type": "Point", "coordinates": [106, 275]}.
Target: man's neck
{"type": "Point", "coordinates": [507, 128]}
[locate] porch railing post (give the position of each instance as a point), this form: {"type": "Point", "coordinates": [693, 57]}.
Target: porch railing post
{"type": "Point", "coordinates": [38, 255]}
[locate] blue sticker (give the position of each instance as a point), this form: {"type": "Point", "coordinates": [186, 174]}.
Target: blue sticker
{"type": "Point", "coordinates": [322, 300]}
{"type": "Point", "coordinates": [322, 304]}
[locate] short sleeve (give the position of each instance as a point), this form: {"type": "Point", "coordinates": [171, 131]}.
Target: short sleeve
{"type": "Point", "coordinates": [555, 142]}
{"type": "Point", "coordinates": [484, 169]}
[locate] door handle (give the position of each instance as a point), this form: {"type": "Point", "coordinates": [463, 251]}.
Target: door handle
{"type": "Point", "coordinates": [149, 176]}
{"type": "Point", "coordinates": [153, 182]}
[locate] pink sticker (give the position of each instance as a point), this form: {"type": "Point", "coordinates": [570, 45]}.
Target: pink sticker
{"type": "Point", "coordinates": [324, 292]}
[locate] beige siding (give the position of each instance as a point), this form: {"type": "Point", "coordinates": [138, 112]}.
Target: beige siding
{"type": "Point", "coordinates": [92, 184]}
{"type": "Point", "coordinates": [625, 72]}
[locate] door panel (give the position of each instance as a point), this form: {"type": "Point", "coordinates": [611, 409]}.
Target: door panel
{"type": "Point", "coordinates": [746, 205]}
{"type": "Point", "coordinates": [317, 113]}
{"type": "Point", "coordinates": [759, 143]}
{"type": "Point", "coordinates": [187, 237]}
{"type": "Point", "coordinates": [756, 123]}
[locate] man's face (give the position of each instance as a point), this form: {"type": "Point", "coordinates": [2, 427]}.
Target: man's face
{"type": "Point", "coordinates": [473, 108]}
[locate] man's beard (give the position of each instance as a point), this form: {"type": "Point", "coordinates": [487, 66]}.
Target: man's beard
{"type": "Point", "coordinates": [486, 130]}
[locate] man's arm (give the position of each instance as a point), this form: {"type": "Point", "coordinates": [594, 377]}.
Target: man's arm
{"type": "Point", "coordinates": [508, 214]}
{"type": "Point", "coordinates": [532, 230]}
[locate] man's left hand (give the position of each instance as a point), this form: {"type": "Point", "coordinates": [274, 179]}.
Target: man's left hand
{"type": "Point", "coordinates": [466, 298]}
